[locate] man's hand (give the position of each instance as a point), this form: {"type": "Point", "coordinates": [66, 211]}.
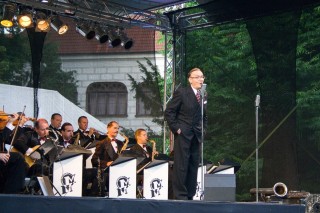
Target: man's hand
{"type": "Point", "coordinates": [179, 131]}
{"type": "Point", "coordinates": [4, 157]}
{"type": "Point", "coordinates": [109, 163]}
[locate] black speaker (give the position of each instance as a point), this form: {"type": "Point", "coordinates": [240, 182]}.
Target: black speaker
{"type": "Point", "coordinates": [220, 187]}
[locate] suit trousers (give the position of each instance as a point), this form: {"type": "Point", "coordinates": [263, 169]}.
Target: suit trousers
{"type": "Point", "coordinates": [185, 168]}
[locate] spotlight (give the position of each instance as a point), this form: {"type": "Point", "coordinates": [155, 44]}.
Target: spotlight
{"type": "Point", "coordinates": [8, 14]}
{"type": "Point", "coordinates": [85, 31]}
{"type": "Point", "coordinates": [114, 38]}
{"type": "Point", "coordinates": [125, 41]}
{"type": "Point", "coordinates": [58, 25]}
{"type": "Point", "coordinates": [43, 23]}
{"type": "Point", "coordinates": [25, 19]}
{"type": "Point", "coordinates": [101, 35]}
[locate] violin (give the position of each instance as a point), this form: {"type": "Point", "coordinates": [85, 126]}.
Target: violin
{"type": "Point", "coordinates": [4, 118]}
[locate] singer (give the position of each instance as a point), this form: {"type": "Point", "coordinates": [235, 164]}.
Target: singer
{"type": "Point", "coordinates": [184, 117]}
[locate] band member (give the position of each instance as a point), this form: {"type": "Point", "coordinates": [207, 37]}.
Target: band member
{"type": "Point", "coordinates": [56, 120]}
{"type": "Point", "coordinates": [85, 137]}
{"type": "Point", "coordinates": [107, 150]}
{"type": "Point", "coordinates": [141, 148]}
{"type": "Point", "coordinates": [183, 114]}
{"type": "Point", "coordinates": [12, 165]}
{"type": "Point", "coordinates": [66, 134]}
{"type": "Point", "coordinates": [29, 140]}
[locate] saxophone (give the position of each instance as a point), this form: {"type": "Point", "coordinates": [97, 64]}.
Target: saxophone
{"type": "Point", "coordinates": [154, 151]}
{"type": "Point", "coordinates": [99, 179]}
{"type": "Point", "coordinates": [77, 140]}
{"type": "Point", "coordinates": [126, 141]}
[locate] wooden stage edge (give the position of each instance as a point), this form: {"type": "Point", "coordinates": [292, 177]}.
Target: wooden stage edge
{"type": "Point", "coordinates": [48, 204]}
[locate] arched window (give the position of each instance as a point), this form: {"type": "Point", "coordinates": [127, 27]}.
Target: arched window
{"type": "Point", "coordinates": [107, 99]}
{"type": "Point", "coordinates": [148, 102]}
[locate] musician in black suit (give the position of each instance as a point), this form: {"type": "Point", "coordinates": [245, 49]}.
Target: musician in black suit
{"type": "Point", "coordinates": [141, 149]}
{"type": "Point", "coordinates": [84, 136]}
{"type": "Point", "coordinates": [183, 115]}
{"type": "Point", "coordinates": [12, 165]}
{"type": "Point", "coordinates": [56, 120]}
{"type": "Point", "coordinates": [66, 135]}
{"type": "Point", "coordinates": [107, 151]}
{"type": "Point", "coordinates": [26, 143]}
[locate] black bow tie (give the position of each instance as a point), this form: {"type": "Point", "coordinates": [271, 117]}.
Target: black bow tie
{"type": "Point", "coordinates": [144, 146]}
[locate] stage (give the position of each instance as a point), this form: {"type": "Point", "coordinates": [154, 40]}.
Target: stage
{"type": "Point", "coordinates": [47, 204]}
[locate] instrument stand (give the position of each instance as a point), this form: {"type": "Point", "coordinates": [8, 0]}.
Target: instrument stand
{"type": "Point", "coordinates": [257, 103]}
{"type": "Point", "coordinates": [202, 140]}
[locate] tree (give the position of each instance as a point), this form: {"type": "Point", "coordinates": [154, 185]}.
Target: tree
{"type": "Point", "coordinates": [16, 65]}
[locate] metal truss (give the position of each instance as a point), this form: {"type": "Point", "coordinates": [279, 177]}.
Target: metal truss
{"type": "Point", "coordinates": [101, 12]}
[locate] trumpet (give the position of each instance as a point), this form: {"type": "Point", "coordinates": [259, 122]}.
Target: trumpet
{"type": "Point", "coordinates": [95, 132]}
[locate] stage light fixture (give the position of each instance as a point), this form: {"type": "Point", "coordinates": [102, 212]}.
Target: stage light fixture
{"type": "Point", "coordinates": [25, 19]}
{"type": "Point", "coordinates": [85, 31]}
{"type": "Point", "coordinates": [58, 25]}
{"type": "Point", "coordinates": [114, 38]}
{"type": "Point", "coordinates": [43, 23]}
{"type": "Point", "coordinates": [101, 35]}
{"type": "Point", "coordinates": [8, 15]}
{"type": "Point", "coordinates": [125, 41]}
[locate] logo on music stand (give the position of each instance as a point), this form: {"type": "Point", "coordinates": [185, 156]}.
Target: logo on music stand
{"type": "Point", "coordinates": [67, 181]}
{"type": "Point", "coordinates": [122, 185]}
{"type": "Point", "coordinates": [155, 186]}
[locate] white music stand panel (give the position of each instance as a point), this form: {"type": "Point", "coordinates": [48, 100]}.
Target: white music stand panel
{"type": "Point", "coordinates": [123, 179]}
{"type": "Point", "coordinates": [88, 161]}
{"type": "Point", "coordinates": [155, 182]}
{"type": "Point", "coordinates": [199, 193]}
{"type": "Point", "coordinates": [67, 176]}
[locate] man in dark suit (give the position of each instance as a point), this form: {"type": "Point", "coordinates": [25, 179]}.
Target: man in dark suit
{"type": "Point", "coordinates": [27, 142]}
{"type": "Point", "coordinates": [82, 136]}
{"type": "Point", "coordinates": [107, 151]}
{"type": "Point", "coordinates": [183, 115]}
{"type": "Point", "coordinates": [141, 149]}
{"type": "Point", "coordinates": [56, 120]}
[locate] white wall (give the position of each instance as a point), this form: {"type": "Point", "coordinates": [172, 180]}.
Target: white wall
{"type": "Point", "coordinates": [111, 68]}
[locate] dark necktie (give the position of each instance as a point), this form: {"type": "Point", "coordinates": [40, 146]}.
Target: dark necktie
{"type": "Point", "coordinates": [198, 96]}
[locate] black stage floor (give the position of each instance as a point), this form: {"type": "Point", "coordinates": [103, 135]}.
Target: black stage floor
{"type": "Point", "coordinates": [43, 204]}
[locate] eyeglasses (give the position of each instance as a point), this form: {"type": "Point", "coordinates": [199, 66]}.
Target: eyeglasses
{"type": "Point", "coordinates": [198, 77]}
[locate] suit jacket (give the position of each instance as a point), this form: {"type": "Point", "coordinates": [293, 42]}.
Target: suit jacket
{"type": "Point", "coordinates": [141, 152]}
{"type": "Point", "coordinates": [6, 136]}
{"type": "Point", "coordinates": [84, 139]}
{"type": "Point", "coordinates": [53, 132]}
{"type": "Point", "coordinates": [26, 140]}
{"type": "Point", "coordinates": [184, 112]}
{"type": "Point", "coordinates": [105, 152]}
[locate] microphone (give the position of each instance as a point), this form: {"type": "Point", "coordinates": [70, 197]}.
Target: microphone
{"type": "Point", "coordinates": [203, 89]}
{"type": "Point", "coordinates": [257, 101]}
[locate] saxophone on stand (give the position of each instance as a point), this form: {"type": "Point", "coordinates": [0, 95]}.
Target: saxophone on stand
{"type": "Point", "coordinates": [100, 179]}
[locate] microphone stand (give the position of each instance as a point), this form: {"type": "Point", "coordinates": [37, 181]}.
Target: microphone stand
{"type": "Point", "coordinates": [257, 103]}
{"type": "Point", "coordinates": [202, 138]}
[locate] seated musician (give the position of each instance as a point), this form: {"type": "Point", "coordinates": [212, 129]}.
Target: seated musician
{"type": "Point", "coordinates": [107, 150]}
{"type": "Point", "coordinates": [56, 120]}
{"type": "Point", "coordinates": [12, 165]}
{"type": "Point", "coordinates": [141, 148]}
{"type": "Point", "coordinates": [82, 136]}
{"type": "Point", "coordinates": [27, 142]}
{"type": "Point", "coordinates": [66, 135]}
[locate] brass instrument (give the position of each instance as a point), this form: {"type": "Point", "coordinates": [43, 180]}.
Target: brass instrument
{"type": "Point", "coordinates": [124, 147]}
{"type": "Point", "coordinates": [77, 140]}
{"type": "Point", "coordinates": [154, 151]}
{"type": "Point", "coordinates": [99, 179]}
{"type": "Point", "coordinates": [279, 190]}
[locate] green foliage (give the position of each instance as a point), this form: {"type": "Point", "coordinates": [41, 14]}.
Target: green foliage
{"type": "Point", "coordinates": [15, 65]}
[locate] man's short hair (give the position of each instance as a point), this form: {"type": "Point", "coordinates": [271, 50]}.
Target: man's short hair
{"type": "Point", "coordinates": [193, 70]}
{"type": "Point", "coordinates": [63, 127]}
{"type": "Point", "coordinates": [40, 120]}
{"type": "Point", "coordinates": [111, 123]}
{"type": "Point", "coordinates": [138, 132]}
{"type": "Point", "coordinates": [54, 115]}
{"type": "Point", "coordinates": [79, 119]}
